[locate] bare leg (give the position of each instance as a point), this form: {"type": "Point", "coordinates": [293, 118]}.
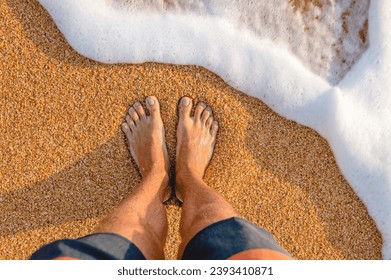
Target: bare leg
{"type": "Point", "coordinates": [141, 217]}
{"type": "Point", "coordinates": [202, 206]}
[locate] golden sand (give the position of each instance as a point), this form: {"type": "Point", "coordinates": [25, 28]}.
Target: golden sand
{"type": "Point", "coordinates": [64, 164]}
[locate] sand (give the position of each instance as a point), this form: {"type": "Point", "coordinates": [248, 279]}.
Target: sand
{"type": "Point", "coordinates": [64, 164]}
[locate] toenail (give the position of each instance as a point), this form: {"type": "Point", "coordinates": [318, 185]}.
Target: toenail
{"type": "Point", "coordinates": [137, 104]}
{"type": "Point", "coordinates": [202, 104]}
{"type": "Point", "coordinates": [185, 101]}
{"type": "Point", "coordinates": [151, 101]}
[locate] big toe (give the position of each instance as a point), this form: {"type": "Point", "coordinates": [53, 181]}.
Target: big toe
{"type": "Point", "coordinates": [153, 106]}
{"type": "Point", "coordinates": [185, 106]}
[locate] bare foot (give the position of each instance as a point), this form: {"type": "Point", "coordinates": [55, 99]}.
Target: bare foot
{"type": "Point", "coordinates": [196, 137]}
{"type": "Point", "coordinates": [145, 135]}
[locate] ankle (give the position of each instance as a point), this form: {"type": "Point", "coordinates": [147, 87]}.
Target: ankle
{"type": "Point", "coordinates": [185, 179]}
{"type": "Point", "coordinates": [188, 172]}
{"type": "Point", "coordinates": [187, 176]}
{"type": "Point", "coordinates": [159, 177]}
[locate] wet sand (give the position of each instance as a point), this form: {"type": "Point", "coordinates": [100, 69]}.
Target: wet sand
{"type": "Point", "coordinates": [64, 164]}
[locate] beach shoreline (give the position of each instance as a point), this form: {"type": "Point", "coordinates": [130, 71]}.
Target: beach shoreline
{"type": "Point", "coordinates": [65, 164]}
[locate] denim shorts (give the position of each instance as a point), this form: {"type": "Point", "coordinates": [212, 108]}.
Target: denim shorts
{"type": "Point", "coordinates": [218, 241]}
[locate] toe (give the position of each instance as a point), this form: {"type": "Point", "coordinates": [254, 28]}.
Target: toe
{"type": "Point", "coordinates": [209, 122]}
{"type": "Point", "coordinates": [133, 114]}
{"type": "Point", "coordinates": [185, 106]}
{"type": "Point", "coordinates": [198, 110]}
{"type": "Point", "coordinates": [130, 123]}
{"type": "Point", "coordinates": [140, 110]}
{"type": "Point", "coordinates": [126, 130]}
{"type": "Point", "coordinates": [153, 106]}
{"type": "Point", "coordinates": [214, 128]}
{"type": "Point", "coordinates": [206, 114]}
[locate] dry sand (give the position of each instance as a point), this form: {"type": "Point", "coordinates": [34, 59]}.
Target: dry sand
{"type": "Point", "coordinates": [64, 164]}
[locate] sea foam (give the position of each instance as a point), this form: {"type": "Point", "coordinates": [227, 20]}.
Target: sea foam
{"type": "Point", "coordinates": [302, 79]}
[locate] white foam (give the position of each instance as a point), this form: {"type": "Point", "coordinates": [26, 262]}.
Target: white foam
{"type": "Point", "coordinates": [353, 116]}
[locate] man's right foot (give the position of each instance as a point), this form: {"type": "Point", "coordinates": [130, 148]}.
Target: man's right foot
{"type": "Point", "coordinates": [196, 137]}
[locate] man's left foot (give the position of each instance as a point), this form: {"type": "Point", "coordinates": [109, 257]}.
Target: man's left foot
{"type": "Point", "coordinates": [146, 140]}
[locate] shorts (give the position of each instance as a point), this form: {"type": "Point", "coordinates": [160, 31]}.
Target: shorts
{"type": "Point", "coordinates": [218, 241]}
